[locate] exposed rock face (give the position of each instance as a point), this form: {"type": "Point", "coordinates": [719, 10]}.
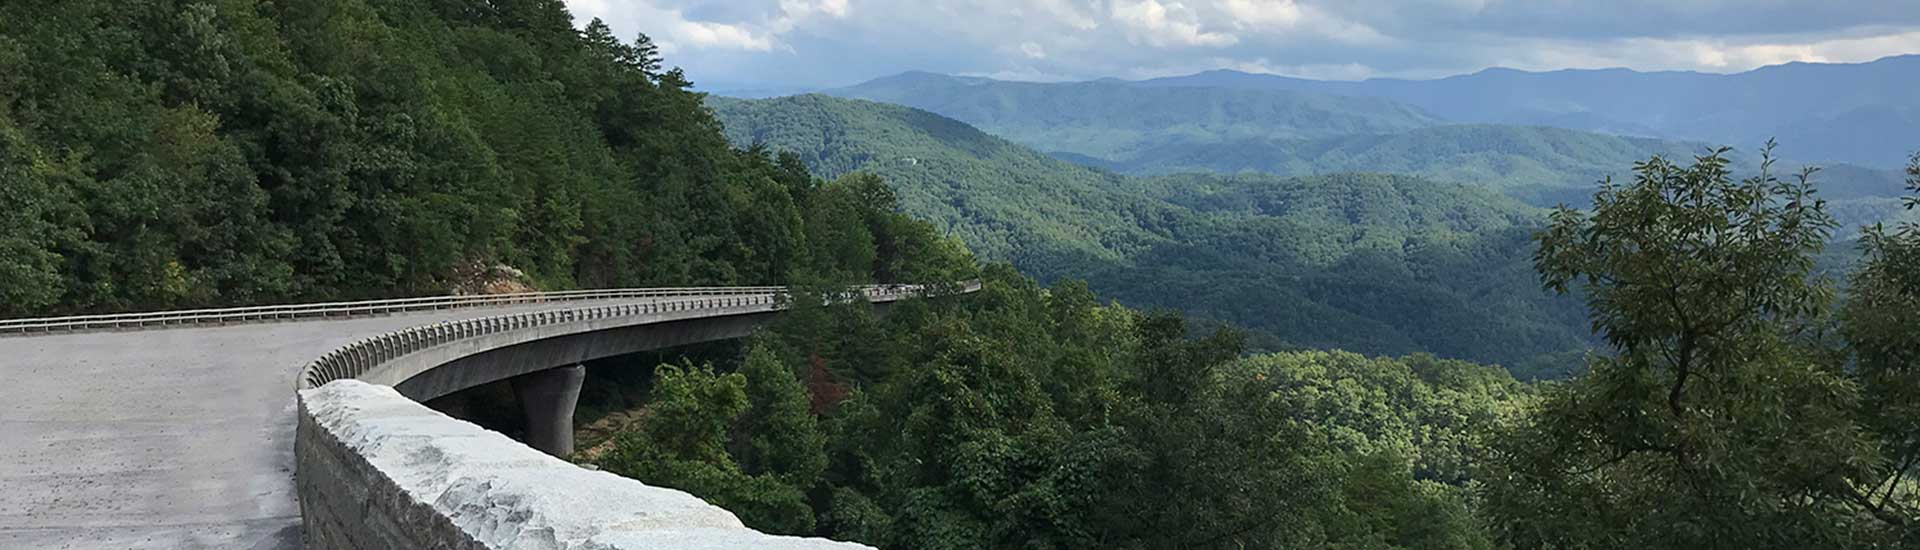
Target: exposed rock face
{"type": "Point", "coordinates": [380, 471]}
{"type": "Point", "coordinates": [483, 278]}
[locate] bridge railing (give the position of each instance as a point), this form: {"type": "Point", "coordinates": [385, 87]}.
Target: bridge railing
{"type": "Point", "coordinates": [363, 356]}
{"type": "Point", "coordinates": [344, 309]}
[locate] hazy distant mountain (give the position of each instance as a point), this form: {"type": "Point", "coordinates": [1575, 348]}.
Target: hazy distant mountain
{"type": "Point", "coordinates": [1383, 264]}
{"type": "Point", "coordinates": [1865, 113]}
{"type": "Point", "coordinates": [1228, 122]}
{"type": "Point", "coordinates": [1007, 202]}
{"type": "Point", "coordinates": [1112, 119]}
{"type": "Point", "coordinates": [758, 90]}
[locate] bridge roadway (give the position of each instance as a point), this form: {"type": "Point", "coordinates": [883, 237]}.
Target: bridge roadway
{"type": "Point", "coordinates": [167, 438]}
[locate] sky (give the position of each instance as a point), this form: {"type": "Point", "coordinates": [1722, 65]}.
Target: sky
{"type": "Point", "coordinates": [807, 44]}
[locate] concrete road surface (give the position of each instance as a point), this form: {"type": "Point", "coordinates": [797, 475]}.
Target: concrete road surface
{"type": "Point", "coordinates": [164, 438]}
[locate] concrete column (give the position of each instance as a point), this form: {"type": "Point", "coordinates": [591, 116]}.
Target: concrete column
{"type": "Point", "coordinates": [547, 398]}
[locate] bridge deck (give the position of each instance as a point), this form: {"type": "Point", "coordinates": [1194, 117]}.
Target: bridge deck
{"type": "Point", "coordinates": [166, 438]}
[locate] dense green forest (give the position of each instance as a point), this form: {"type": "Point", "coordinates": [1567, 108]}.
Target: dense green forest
{"type": "Point", "coordinates": [1737, 405]}
{"type": "Point", "coordinates": [1026, 417]}
{"type": "Point", "coordinates": [1495, 156]}
{"type": "Point", "coordinates": [181, 154]}
{"type": "Point", "coordinates": [1007, 202]}
{"type": "Point", "coordinates": [172, 154]}
{"type": "Point", "coordinates": [1375, 263]}
{"type": "Point", "coordinates": [1370, 263]}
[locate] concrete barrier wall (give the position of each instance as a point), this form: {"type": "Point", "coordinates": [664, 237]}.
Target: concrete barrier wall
{"type": "Point", "coordinates": [379, 471]}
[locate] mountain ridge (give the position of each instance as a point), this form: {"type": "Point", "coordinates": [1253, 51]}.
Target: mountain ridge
{"type": "Point", "coordinates": [1817, 107]}
{"type": "Point", "coordinates": [1327, 261]}
{"type": "Point", "coordinates": [1111, 120]}
{"type": "Point", "coordinates": [1900, 58]}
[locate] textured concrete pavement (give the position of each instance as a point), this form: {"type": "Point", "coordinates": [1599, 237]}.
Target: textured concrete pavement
{"type": "Point", "coordinates": [165, 438]}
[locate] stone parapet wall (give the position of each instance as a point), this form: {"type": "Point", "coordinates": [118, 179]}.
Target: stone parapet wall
{"type": "Point", "coordinates": [379, 471]}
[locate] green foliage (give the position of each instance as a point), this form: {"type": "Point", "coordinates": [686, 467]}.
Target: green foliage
{"type": "Point", "coordinates": [37, 224]}
{"type": "Point", "coordinates": [683, 445]}
{"type": "Point", "coordinates": [1720, 421]}
{"type": "Point", "coordinates": [1376, 264]}
{"type": "Point", "coordinates": [1025, 417]}
{"type": "Point", "coordinates": [779, 432]}
{"type": "Point", "coordinates": [183, 153]}
{"type": "Point", "coordinates": [1510, 158]}
{"type": "Point", "coordinates": [1430, 413]}
{"type": "Point", "coordinates": [1006, 202]}
{"type": "Point", "coordinates": [1879, 321]}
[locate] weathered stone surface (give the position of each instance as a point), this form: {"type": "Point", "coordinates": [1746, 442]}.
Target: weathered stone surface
{"type": "Point", "coordinates": [380, 471]}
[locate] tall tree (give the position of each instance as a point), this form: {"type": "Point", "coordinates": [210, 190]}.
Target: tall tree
{"type": "Point", "coordinates": [1719, 421]}
{"type": "Point", "coordinates": [1881, 321]}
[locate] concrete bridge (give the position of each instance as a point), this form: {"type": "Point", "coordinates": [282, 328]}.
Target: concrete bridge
{"type": "Point", "coordinates": [282, 426]}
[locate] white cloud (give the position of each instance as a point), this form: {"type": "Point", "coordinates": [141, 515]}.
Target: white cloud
{"type": "Point", "coordinates": [795, 12]}
{"type": "Point", "coordinates": [1161, 25]}
{"type": "Point", "coordinates": [1066, 13]}
{"type": "Point", "coordinates": [677, 33]}
{"type": "Point", "coordinates": [1715, 54]}
{"type": "Point", "coordinates": [800, 8]}
{"type": "Point", "coordinates": [1741, 56]}
{"type": "Point", "coordinates": [1033, 50]}
{"type": "Point", "coordinates": [1290, 20]}
{"type": "Point", "coordinates": [1264, 13]}
{"type": "Point", "coordinates": [838, 42]}
{"type": "Point", "coordinates": [701, 34]}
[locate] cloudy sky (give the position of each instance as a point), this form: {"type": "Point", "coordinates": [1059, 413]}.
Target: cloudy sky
{"type": "Point", "coordinates": [823, 43]}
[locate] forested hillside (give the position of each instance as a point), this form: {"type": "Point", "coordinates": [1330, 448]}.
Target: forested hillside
{"type": "Point", "coordinates": [1501, 157]}
{"type": "Point", "coordinates": [171, 154]}
{"type": "Point", "coordinates": [1377, 264]}
{"type": "Point", "coordinates": [1024, 417]}
{"type": "Point", "coordinates": [165, 154]}
{"type": "Point", "coordinates": [1007, 202]}
{"type": "Point", "coordinates": [1113, 120]}
{"type": "Point", "coordinates": [1733, 407]}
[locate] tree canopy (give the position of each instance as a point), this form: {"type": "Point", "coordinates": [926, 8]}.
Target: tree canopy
{"type": "Point", "coordinates": [180, 153]}
{"type": "Point", "coordinates": [1724, 418]}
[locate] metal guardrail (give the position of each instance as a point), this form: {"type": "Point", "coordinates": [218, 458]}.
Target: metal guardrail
{"type": "Point", "coordinates": [344, 309]}
{"type": "Point", "coordinates": [363, 356]}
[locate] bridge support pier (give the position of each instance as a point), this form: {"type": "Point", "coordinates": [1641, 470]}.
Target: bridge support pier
{"type": "Point", "coordinates": [547, 398]}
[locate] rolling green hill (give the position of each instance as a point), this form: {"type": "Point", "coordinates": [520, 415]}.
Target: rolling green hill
{"type": "Point", "coordinates": [1375, 263]}
{"type": "Point", "coordinates": [1502, 157]}
{"type": "Point", "coordinates": [1386, 263]}
{"type": "Point", "coordinates": [1007, 202]}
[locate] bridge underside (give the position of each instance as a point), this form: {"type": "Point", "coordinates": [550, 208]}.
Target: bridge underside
{"type": "Point", "coordinates": [502, 363]}
{"type": "Point", "coordinates": [546, 375]}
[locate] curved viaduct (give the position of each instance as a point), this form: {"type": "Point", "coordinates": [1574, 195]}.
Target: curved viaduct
{"type": "Point", "coordinates": [280, 427]}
